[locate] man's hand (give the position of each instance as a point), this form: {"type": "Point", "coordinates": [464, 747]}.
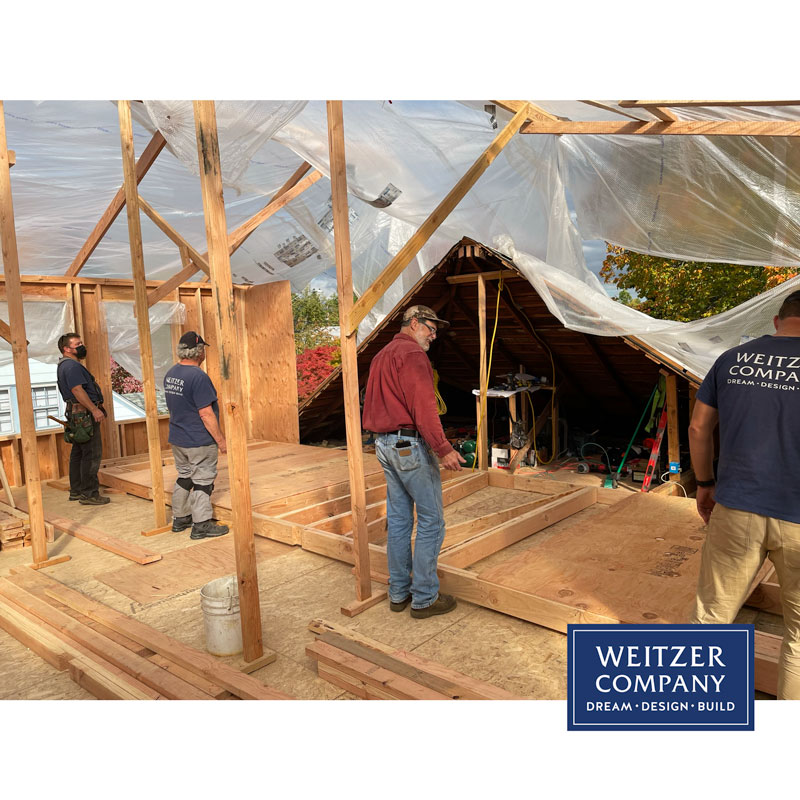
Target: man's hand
{"type": "Point", "coordinates": [705, 502]}
{"type": "Point", "coordinates": [453, 460]}
{"type": "Point", "coordinates": [223, 446]}
{"type": "Point", "coordinates": [97, 414]}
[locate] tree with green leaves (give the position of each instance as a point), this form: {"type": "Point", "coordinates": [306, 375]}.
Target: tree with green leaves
{"type": "Point", "coordinates": [313, 312]}
{"type": "Point", "coordinates": [684, 290]}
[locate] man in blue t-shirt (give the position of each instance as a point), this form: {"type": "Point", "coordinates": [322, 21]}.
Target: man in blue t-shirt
{"type": "Point", "coordinates": [752, 508]}
{"type": "Point", "coordinates": [85, 412]}
{"type": "Point", "coordinates": [196, 439]}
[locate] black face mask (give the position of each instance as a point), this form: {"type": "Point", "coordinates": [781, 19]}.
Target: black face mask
{"type": "Point", "coordinates": [80, 352]}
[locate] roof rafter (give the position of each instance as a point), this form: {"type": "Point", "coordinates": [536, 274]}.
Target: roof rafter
{"type": "Point", "coordinates": [146, 160]}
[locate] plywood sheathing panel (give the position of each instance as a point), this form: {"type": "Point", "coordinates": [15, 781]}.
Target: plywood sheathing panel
{"type": "Point", "coordinates": [637, 563]}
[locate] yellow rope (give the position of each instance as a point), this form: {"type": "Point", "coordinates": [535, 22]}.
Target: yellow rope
{"type": "Point", "coordinates": [441, 406]}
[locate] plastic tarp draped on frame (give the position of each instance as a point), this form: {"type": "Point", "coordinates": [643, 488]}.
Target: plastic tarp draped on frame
{"type": "Point", "coordinates": [123, 336]}
{"type": "Point", "coordinates": [45, 321]}
{"type": "Point", "coordinates": [727, 199]}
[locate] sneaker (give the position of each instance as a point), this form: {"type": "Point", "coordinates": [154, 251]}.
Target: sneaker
{"type": "Point", "coordinates": [94, 500]}
{"type": "Point", "coordinates": [207, 530]}
{"type": "Point", "coordinates": [75, 495]}
{"type": "Point", "coordinates": [444, 603]}
{"type": "Point", "coordinates": [181, 523]}
{"type": "Point", "coordinates": [401, 605]}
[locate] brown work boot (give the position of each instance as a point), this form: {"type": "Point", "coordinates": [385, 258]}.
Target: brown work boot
{"type": "Point", "coordinates": [443, 605]}
{"type": "Point", "coordinates": [94, 500]}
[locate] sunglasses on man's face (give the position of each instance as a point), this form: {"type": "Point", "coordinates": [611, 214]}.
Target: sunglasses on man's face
{"type": "Point", "coordinates": [432, 328]}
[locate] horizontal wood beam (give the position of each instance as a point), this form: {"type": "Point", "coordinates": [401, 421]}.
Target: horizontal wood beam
{"type": "Point", "coordinates": [146, 160]}
{"type": "Point", "coordinates": [708, 103]}
{"type": "Point", "coordinates": [403, 258]}
{"type": "Point", "coordinates": [680, 128]}
{"type": "Point", "coordinates": [534, 111]}
{"type": "Point", "coordinates": [472, 277]}
{"type": "Point", "coordinates": [607, 107]}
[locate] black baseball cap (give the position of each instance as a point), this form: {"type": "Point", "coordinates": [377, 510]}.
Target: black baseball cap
{"type": "Point", "coordinates": [192, 339]}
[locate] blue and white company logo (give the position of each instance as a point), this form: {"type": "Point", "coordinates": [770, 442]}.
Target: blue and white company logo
{"type": "Point", "coordinates": [660, 677]}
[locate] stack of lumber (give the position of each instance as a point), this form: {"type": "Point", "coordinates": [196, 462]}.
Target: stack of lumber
{"type": "Point", "coordinates": [374, 671]}
{"type": "Point", "coordinates": [14, 533]}
{"type": "Point", "coordinates": [111, 655]}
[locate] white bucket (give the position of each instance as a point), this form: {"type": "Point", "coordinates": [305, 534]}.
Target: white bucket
{"type": "Point", "coordinates": [219, 600]}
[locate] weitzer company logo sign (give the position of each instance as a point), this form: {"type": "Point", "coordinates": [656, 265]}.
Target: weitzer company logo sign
{"type": "Point", "coordinates": [660, 677]}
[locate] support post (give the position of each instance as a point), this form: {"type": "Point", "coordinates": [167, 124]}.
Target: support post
{"type": "Point", "coordinates": [230, 375]}
{"type": "Point", "coordinates": [344, 283]}
{"type": "Point", "coordinates": [673, 433]}
{"type": "Point", "coordinates": [142, 316]}
{"type": "Point", "coordinates": [19, 347]}
{"type": "Point", "coordinates": [483, 434]}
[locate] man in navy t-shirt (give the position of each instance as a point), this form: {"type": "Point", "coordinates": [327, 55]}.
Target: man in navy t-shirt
{"type": "Point", "coordinates": [196, 439]}
{"type": "Point", "coordinates": [85, 410]}
{"type": "Point", "coordinates": [752, 507]}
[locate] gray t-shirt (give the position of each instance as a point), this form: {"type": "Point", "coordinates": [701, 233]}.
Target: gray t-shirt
{"type": "Point", "coordinates": [756, 389]}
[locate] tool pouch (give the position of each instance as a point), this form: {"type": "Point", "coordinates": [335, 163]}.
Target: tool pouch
{"type": "Point", "coordinates": [79, 428]}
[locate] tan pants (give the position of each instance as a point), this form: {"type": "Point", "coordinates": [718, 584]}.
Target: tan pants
{"type": "Point", "coordinates": [735, 548]}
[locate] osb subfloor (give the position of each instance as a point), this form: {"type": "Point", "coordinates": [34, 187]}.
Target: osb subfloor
{"type": "Point", "coordinates": [295, 587]}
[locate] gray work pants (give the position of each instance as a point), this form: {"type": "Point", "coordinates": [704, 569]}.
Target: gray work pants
{"type": "Point", "coordinates": [198, 464]}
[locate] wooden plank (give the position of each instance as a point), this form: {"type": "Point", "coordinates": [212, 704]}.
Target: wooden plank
{"type": "Point", "coordinates": [281, 199]}
{"type": "Point", "coordinates": [104, 684]}
{"type": "Point", "coordinates": [344, 286]}
{"type": "Point", "coordinates": [437, 216]}
{"type": "Point", "coordinates": [515, 530]}
{"type": "Point", "coordinates": [483, 381]}
{"type": "Point", "coordinates": [170, 232]}
{"type": "Point", "coordinates": [56, 650]}
{"type": "Point", "coordinates": [474, 277]}
{"type": "Point", "coordinates": [472, 527]}
{"type": "Point", "coordinates": [422, 670]}
{"type": "Point", "coordinates": [357, 606]}
{"type": "Point", "coordinates": [233, 405]}
{"type": "Point", "coordinates": [673, 432]}
{"type": "Point", "coordinates": [19, 346]}
{"type": "Point", "coordinates": [767, 656]}
{"type": "Point", "coordinates": [237, 237]}
{"type": "Point", "coordinates": [244, 686]}
{"type": "Point", "coordinates": [140, 304]}
{"type": "Point", "coordinates": [105, 542]}
{"type": "Point", "coordinates": [710, 103]}
{"type": "Point", "coordinates": [397, 685]}
{"type": "Point", "coordinates": [134, 665]}
{"type": "Point", "coordinates": [146, 160]}
{"type": "Point", "coordinates": [680, 128]}
{"type": "Point", "coordinates": [50, 562]}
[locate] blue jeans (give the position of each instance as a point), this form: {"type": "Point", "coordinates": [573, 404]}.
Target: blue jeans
{"type": "Point", "coordinates": [412, 478]}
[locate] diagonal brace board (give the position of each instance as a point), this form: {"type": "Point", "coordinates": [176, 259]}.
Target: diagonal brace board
{"type": "Point", "coordinates": [291, 189]}
{"type": "Point", "coordinates": [436, 218]}
{"type": "Point", "coordinates": [146, 160]}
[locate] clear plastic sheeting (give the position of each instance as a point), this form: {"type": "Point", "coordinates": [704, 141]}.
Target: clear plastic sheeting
{"type": "Point", "coordinates": [727, 199]}
{"type": "Point", "coordinates": [720, 198]}
{"type": "Point", "coordinates": [45, 321]}
{"type": "Point", "coordinates": [123, 335]}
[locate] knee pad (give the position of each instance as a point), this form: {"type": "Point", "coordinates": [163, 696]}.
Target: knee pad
{"type": "Point", "coordinates": [185, 483]}
{"type": "Point", "coordinates": [204, 487]}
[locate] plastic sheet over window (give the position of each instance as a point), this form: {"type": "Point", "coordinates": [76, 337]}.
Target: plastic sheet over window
{"type": "Point", "coordinates": [45, 321]}
{"type": "Point", "coordinates": [123, 336]}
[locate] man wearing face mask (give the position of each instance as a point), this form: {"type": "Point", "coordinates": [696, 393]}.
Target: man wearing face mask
{"type": "Point", "coordinates": [400, 407]}
{"type": "Point", "coordinates": [85, 412]}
